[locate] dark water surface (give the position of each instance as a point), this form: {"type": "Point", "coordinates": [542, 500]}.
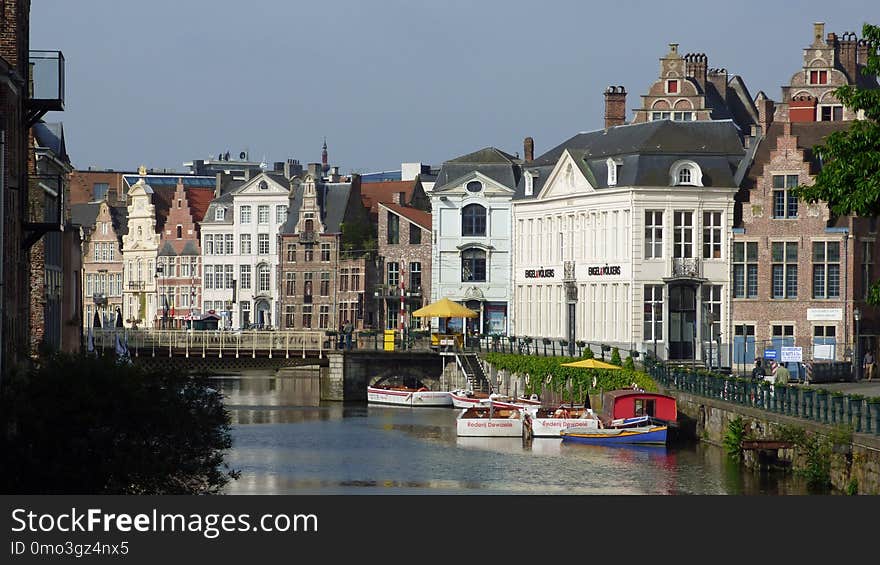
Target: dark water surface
{"type": "Point", "coordinates": [285, 441]}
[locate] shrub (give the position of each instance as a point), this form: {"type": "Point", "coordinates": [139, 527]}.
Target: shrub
{"type": "Point", "coordinates": [615, 357]}
{"type": "Point", "coordinates": [629, 364]}
{"type": "Point", "coordinates": [588, 353]}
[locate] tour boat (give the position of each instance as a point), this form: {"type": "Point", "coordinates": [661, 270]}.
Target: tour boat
{"type": "Point", "coordinates": [549, 422]}
{"type": "Point", "coordinates": [463, 398]}
{"type": "Point", "coordinates": [405, 394]}
{"type": "Point", "coordinates": [628, 431]}
{"type": "Point", "coordinates": [493, 421]}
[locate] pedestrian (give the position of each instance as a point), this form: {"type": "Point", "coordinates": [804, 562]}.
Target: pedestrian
{"type": "Point", "coordinates": [869, 365]}
{"type": "Point", "coordinates": [347, 329]}
{"type": "Point", "coordinates": [782, 376]}
{"type": "Point", "coordinates": [340, 336]}
{"type": "Point", "coordinates": [758, 371]}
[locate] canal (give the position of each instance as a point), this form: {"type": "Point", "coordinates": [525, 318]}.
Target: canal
{"type": "Point", "coordinates": [286, 441]}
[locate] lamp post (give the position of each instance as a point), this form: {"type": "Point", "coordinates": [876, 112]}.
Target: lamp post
{"type": "Point", "coordinates": [378, 295]}
{"type": "Point", "coordinates": [710, 318]}
{"type": "Point", "coordinates": [857, 315]}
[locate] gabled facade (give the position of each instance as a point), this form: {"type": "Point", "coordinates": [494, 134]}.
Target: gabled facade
{"type": "Point", "coordinates": [103, 226]}
{"type": "Point", "coordinates": [471, 256]}
{"type": "Point", "coordinates": [619, 237]}
{"type": "Point", "coordinates": [140, 248]}
{"type": "Point", "coordinates": [325, 262]}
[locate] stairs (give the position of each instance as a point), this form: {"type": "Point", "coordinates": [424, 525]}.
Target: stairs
{"type": "Point", "coordinates": [470, 365]}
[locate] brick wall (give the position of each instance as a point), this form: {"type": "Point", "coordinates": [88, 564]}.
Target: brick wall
{"type": "Point", "coordinates": [405, 253]}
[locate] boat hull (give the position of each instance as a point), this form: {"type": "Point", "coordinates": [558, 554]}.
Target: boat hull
{"type": "Point", "coordinates": [489, 427]}
{"type": "Point", "coordinates": [551, 427]}
{"type": "Point", "coordinates": [654, 435]}
{"type": "Point", "coordinates": [463, 401]}
{"type": "Point", "coordinates": [407, 398]}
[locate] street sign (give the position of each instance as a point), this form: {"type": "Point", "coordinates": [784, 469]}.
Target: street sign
{"type": "Point", "coordinates": [792, 355]}
{"type": "Point", "coordinates": [770, 354]}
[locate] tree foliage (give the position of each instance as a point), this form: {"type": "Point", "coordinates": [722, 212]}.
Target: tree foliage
{"type": "Point", "coordinates": [87, 425]}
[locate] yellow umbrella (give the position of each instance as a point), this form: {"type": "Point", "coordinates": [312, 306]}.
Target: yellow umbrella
{"type": "Point", "coordinates": [445, 308]}
{"type": "Point", "coordinates": [590, 364]}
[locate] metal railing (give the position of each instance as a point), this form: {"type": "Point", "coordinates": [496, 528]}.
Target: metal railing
{"type": "Point", "coordinates": [686, 267]}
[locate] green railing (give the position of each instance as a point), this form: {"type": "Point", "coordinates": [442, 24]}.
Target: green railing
{"type": "Point", "coordinates": [814, 404]}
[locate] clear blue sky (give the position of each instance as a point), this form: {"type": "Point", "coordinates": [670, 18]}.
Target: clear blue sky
{"type": "Point", "coordinates": [387, 81]}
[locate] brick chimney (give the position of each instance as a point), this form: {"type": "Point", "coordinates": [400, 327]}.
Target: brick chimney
{"type": "Point", "coordinates": [862, 50]}
{"type": "Point", "coordinates": [847, 55]}
{"type": "Point", "coordinates": [695, 67]}
{"type": "Point", "coordinates": [766, 108]}
{"type": "Point", "coordinates": [718, 77]}
{"type": "Point", "coordinates": [615, 106]}
{"type": "Point", "coordinates": [399, 198]}
{"type": "Point", "coordinates": [529, 149]}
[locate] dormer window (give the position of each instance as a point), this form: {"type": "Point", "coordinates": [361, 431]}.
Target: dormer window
{"type": "Point", "coordinates": [264, 185]}
{"type": "Point", "coordinates": [220, 214]}
{"type": "Point", "coordinates": [614, 166]}
{"type": "Point", "coordinates": [672, 86]}
{"type": "Point", "coordinates": [686, 173]}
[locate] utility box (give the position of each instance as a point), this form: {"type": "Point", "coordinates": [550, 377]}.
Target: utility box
{"type": "Point", "coordinates": [389, 339]}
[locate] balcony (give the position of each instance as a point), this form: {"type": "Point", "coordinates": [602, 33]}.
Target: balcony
{"type": "Point", "coordinates": [136, 285]}
{"type": "Point", "coordinates": [45, 207]}
{"type": "Point", "coordinates": [46, 84]}
{"type": "Point", "coordinates": [686, 268]}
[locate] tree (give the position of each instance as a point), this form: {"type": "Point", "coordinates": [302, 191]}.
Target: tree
{"type": "Point", "coordinates": [849, 181]}
{"type": "Point", "coordinates": [615, 357]}
{"type": "Point", "coordinates": [87, 425]}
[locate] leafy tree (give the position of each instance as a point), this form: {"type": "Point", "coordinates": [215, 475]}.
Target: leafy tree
{"type": "Point", "coordinates": [849, 181]}
{"type": "Point", "coordinates": [87, 425]}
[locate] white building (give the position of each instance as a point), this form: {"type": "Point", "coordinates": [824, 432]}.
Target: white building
{"type": "Point", "coordinates": [637, 220]}
{"type": "Point", "coordinates": [240, 251]}
{"type": "Point", "coordinates": [139, 251]}
{"type": "Point", "coordinates": [471, 215]}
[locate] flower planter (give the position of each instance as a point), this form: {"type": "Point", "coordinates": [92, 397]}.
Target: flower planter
{"type": "Point", "coordinates": [855, 409]}
{"type": "Point", "coordinates": [836, 409]}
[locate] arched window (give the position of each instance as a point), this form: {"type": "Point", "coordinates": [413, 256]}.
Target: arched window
{"type": "Point", "coordinates": [179, 232]}
{"type": "Point", "coordinates": [473, 220]}
{"type": "Point", "coordinates": [685, 173]}
{"type": "Point", "coordinates": [684, 176]}
{"type": "Point", "coordinates": [264, 278]}
{"type": "Point", "coordinates": [473, 265]}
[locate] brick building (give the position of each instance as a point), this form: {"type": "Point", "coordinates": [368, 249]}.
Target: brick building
{"type": "Point", "coordinates": [103, 227]}
{"type": "Point", "coordinates": [404, 240]}
{"type": "Point", "coordinates": [325, 258]}
{"type": "Point", "coordinates": [798, 272]}
{"type": "Point", "coordinates": [94, 186]}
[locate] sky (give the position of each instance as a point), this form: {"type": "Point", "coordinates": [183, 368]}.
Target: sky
{"type": "Point", "coordinates": [386, 82]}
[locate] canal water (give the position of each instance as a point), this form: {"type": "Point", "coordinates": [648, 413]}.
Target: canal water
{"type": "Point", "coordinates": [286, 441]}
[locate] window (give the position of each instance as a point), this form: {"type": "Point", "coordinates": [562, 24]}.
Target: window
{"type": "Point", "coordinates": [230, 244]}
{"type": "Point", "coordinates": [683, 234]}
{"type": "Point", "coordinates": [209, 277]}
{"type": "Point", "coordinates": [307, 316]}
{"type": "Point", "coordinates": [229, 269]}
{"type": "Point", "coordinates": [307, 287]}
{"type": "Point", "coordinates": [185, 268]}
{"type": "Point", "coordinates": [356, 279]}
{"type": "Point", "coordinates": [672, 86]}
{"type": "Point", "coordinates": [826, 269]}
{"type": "Point", "coordinates": [99, 191]}
{"type": "Point", "coordinates": [827, 336]}
{"type": "Point", "coordinates": [682, 116]}
{"type": "Point", "coordinates": [711, 235]}
{"type": "Point", "coordinates": [179, 232]}
{"type": "Point", "coordinates": [830, 113]}
{"type": "Point", "coordinates": [473, 265]}
{"type": "Point", "coordinates": [743, 343]}
{"type": "Point", "coordinates": [209, 244]}
{"type": "Point", "coordinates": [473, 220]}
{"type": "Point", "coordinates": [653, 328]}
{"type": "Point", "coordinates": [613, 170]}
{"type": "Point", "coordinates": [785, 203]}
{"type": "Point", "coordinates": [782, 336]}
{"type": "Point", "coordinates": [530, 183]}
{"type": "Point", "coordinates": [325, 252]}
{"type": "Point", "coordinates": [263, 243]}
{"type": "Point", "coordinates": [474, 186]}
{"type": "Point", "coordinates": [712, 303]}
{"type": "Point", "coordinates": [660, 115]}
{"type": "Point", "coordinates": [343, 280]}
{"type": "Point", "coordinates": [393, 228]}
{"type": "Point", "coordinates": [265, 278]}
{"type": "Point", "coordinates": [244, 276]}
{"type": "Point", "coordinates": [324, 289]}
{"type": "Point", "coordinates": [684, 176]}
{"type": "Point", "coordinates": [393, 269]}
{"type": "Point", "coordinates": [280, 214]}
{"type": "Point", "coordinates": [784, 256]}
{"type": "Point", "coordinates": [867, 266]}
{"type": "Point", "coordinates": [262, 214]}
{"type": "Point", "coordinates": [818, 77]}
{"type": "Point", "coordinates": [291, 253]}
{"type": "Point", "coordinates": [220, 214]}
{"type": "Point", "coordinates": [415, 276]}
{"type": "Point", "coordinates": [290, 283]}
{"type": "Point", "coordinates": [309, 252]}
{"type": "Point", "coordinates": [245, 244]}
{"type": "Point", "coordinates": [415, 234]}
{"type": "Point", "coordinates": [289, 315]}
{"type": "Point", "coordinates": [324, 316]}
{"type": "Point", "coordinates": [245, 214]}
{"type": "Point", "coordinates": [745, 269]}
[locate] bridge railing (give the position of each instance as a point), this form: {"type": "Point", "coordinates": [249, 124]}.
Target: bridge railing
{"type": "Point", "coordinates": [205, 342]}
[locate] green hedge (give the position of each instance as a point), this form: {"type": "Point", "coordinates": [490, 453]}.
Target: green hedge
{"type": "Point", "coordinates": [548, 373]}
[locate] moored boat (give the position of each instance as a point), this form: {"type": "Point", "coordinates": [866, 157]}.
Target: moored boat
{"type": "Point", "coordinates": [463, 398]}
{"type": "Point", "coordinates": [492, 421]}
{"type": "Point", "coordinates": [387, 391]}
{"type": "Point", "coordinates": [653, 433]}
{"type": "Point", "coordinates": [549, 422]}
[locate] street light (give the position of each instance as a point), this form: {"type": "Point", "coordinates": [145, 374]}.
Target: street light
{"type": "Point", "coordinates": [857, 315]}
{"type": "Point", "coordinates": [710, 318]}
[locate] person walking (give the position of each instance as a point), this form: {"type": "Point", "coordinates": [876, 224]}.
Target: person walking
{"type": "Point", "coordinates": [758, 371]}
{"type": "Point", "coordinates": [347, 329]}
{"type": "Point", "coordinates": [869, 365]}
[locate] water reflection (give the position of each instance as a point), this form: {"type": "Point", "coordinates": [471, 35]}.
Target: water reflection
{"type": "Point", "coordinates": [286, 441]}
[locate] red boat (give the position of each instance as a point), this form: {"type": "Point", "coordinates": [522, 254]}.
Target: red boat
{"type": "Point", "coordinates": [621, 404]}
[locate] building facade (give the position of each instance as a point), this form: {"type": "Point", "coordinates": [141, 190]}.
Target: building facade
{"type": "Point", "coordinates": [471, 224]}
{"type": "Point", "coordinates": [103, 227]}
{"type": "Point", "coordinates": [620, 238]}
{"type": "Point", "coordinates": [140, 248]}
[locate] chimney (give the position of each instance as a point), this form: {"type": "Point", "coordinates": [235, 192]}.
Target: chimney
{"type": "Point", "coordinates": [818, 34]}
{"type": "Point", "coordinates": [399, 198]}
{"type": "Point", "coordinates": [278, 166]}
{"type": "Point", "coordinates": [695, 67]}
{"type": "Point", "coordinates": [862, 51]}
{"type": "Point", "coordinates": [292, 168]}
{"type": "Point", "coordinates": [847, 56]}
{"type": "Point", "coordinates": [766, 108]}
{"type": "Point", "coordinates": [718, 77]}
{"type": "Point", "coordinates": [615, 106]}
{"type": "Point", "coordinates": [315, 170]}
{"type": "Point", "coordinates": [334, 174]}
{"type": "Point", "coordinates": [529, 149]}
